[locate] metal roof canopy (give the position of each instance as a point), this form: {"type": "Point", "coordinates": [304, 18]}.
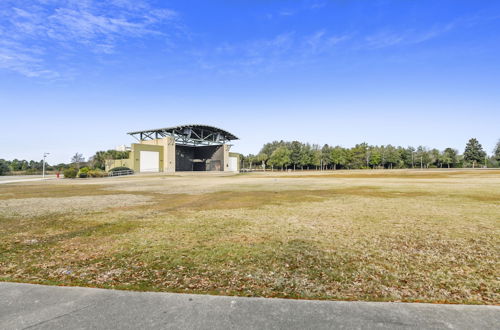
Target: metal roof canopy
{"type": "Point", "coordinates": [188, 135]}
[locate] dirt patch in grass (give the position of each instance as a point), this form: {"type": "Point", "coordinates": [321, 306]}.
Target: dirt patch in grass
{"type": "Point", "coordinates": [34, 207]}
{"type": "Point", "coordinates": [484, 197]}
{"type": "Point", "coordinates": [50, 189]}
{"type": "Point", "coordinates": [249, 199]}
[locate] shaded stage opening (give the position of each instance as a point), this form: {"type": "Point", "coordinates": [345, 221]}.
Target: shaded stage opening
{"type": "Point", "coordinates": [205, 158]}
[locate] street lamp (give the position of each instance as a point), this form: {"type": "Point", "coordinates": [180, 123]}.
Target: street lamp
{"type": "Point", "coordinates": [43, 166]}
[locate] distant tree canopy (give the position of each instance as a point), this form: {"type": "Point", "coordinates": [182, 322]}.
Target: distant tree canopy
{"type": "Point", "coordinates": [77, 159]}
{"type": "Point", "coordinates": [4, 167]}
{"type": "Point", "coordinates": [98, 161]}
{"type": "Point", "coordinates": [450, 156]}
{"type": "Point", "coordinates": [496, 152]}
{"type": "Point", "coordinates": [474, 152]}
{"type": "Point", "coordinates": [295, 154]}
{"type": "Point", "coordinates": [17, 166]}
{"type": "Point", "coordinates": [280, 157]}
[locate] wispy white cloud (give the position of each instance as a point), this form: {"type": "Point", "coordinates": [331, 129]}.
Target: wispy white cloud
{"type": "Point", "coordinates": [318, 4]}
{"type": "Point", "coordinates": [321, 42]}
{"type": "Point", "coordinates": [300, 7]}
{"type": "Point", "coordinates": [293, 49]}
{"type": "Point", "coordinates": [390, 38]}
{"type": "Point", "coordinates": [286, 13]}
{"type": "Point", "coordinates": [266, 55]}
{"type": "Point", "coordinates": [26, 61]}
{"type": "Point", "coordinates": [93, 25]}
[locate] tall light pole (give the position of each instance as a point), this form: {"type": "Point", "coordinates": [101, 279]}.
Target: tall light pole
{"type": "Point", "coordinates": [43, 166]}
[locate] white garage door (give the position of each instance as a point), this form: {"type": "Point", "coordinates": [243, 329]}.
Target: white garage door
{"type": "Point", "coordinates": [150, 161]}
{"type": "Point", "coordinates": [233, 164]}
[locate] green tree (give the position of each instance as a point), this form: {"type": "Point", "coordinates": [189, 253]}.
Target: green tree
{"type": "Point", "coordinates": [250, 160]}
{"type": "Point", "coordinates": [392, 156]}
{"type": "Point", "coordinates": [16, 165]}
{"type": "Point", "coordinates": [338, 157]}
{"type": "Point", "coordinates": [474, 152]}
{"type": "Point", "coordinates": [315, 155]}
{"type": "Point", "coordinates": [359, 155]}
{"type": "Point", "coordinates": [325, 156]}
{"type": "Point", "coordinates": [435, 157]}
{"type": "Point", "coordinates": [305, 156]}
{"type": "Point", "coordinates": [295, 153]}
{"type": "Point", "coordinates": [422, 157]}
{"type": "Point", "coordinates": [496, 152]}
{"type": "Point", "coordinates": [262, 159]}
{"type": "Point", "coordinates": [280, 157]}
{"type": "Point", "coordinates": [410, 151]}
{"type": "Point", "coordinates": [449, 156]}
{"type": "Point", "coordinates": [375, 157]}
{"type": "Point", "coordinates": [24, 165]}
{"type": "Point", "coordinates": [405, 156]}
{"type": "Point", "coordinates": [4, 167]}
{"type": "Point", "coordinates": [267, 150]}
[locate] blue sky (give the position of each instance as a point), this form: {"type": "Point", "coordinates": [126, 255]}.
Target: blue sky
{"type": "Point", "coordinates": [76, 75]}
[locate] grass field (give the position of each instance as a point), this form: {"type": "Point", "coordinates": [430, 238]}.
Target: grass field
{"type": "Point", "coordinates": [426, 236]}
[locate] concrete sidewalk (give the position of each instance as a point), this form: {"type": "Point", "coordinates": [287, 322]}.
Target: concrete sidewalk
{"type": "Point", "coordinates": [25, 178]}
{"type": "Point", "coordinates": [27, 306]}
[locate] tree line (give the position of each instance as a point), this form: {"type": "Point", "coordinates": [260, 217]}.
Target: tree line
{"type": "Point", "coordinates": [298, 155]}
{"type": "Point", "coordinates": [97, 161]}
{"type": "Point", "coordinates": [17, 166]}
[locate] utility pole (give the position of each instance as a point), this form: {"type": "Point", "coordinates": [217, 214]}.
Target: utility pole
{"type": "Point", "coordinates": [43, 166]}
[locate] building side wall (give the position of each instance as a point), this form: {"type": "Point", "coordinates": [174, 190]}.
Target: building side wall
{"type": "Point", "coordinates": [168, 144]}
{"type": "Point", "coordinates": [218, 156]}
{"type": "Point", "coordinates": [237, 155]}
{"type": "Point", "coordinates": [225, 149]}
{"type": "Point", "coordinates": [169, 154]}
{"type": "Point", "coordinates": [136, 154]}
{"type": "Point", "coordinates": [112, 163]}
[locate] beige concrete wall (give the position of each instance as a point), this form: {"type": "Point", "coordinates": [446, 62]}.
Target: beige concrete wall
{"type": "Point", "coordinates": [112, 163]}
{"type": "Point", "coordinates": [136, 154]}
{"type": "Point", "coordinates": [168, 152]}
{"type": "Point", "coordinates": [225, 162]}
{"type": "Point", "coordinates": [238, 156]}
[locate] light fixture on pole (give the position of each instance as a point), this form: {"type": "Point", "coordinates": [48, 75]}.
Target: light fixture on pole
{"type": "Point", "coordinates": [43, 166]}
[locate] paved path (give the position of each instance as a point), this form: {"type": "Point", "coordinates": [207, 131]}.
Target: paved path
{"type": "Point", "coordinates": [24, 178]}
{"type": "Point", "coordinates": [27, 306]}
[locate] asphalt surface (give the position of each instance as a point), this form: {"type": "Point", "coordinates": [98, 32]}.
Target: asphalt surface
{"type": "Point", "coordinates": [27, 306]}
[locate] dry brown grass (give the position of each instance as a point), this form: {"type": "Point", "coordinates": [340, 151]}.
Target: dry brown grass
{"type": "Point", "coordinates": [35, 207]}
{"type": "Point", "coordinates": [384, 174]}
{"type": "Point", "coordinates": [365, 238]}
